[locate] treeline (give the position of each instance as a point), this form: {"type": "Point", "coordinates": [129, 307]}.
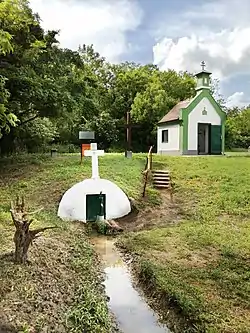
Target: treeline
{"type": "Point", "coordinates": [48, 94]}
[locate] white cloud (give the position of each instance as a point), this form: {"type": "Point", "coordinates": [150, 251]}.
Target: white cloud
{"type": "Point", "coordinates": [103, 23]}
{"type": "Point", "coordinates": [237, 99]}
{"type": "Point", "coordinates": [217, 32]}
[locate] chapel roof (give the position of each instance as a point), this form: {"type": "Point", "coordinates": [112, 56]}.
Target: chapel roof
{"type": "Point", "coordinates": [174, 113]}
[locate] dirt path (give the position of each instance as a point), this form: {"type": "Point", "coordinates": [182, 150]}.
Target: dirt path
{"type": "Point", "coordinates": [166, 213]}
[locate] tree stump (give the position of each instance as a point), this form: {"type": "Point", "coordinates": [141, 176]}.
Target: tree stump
{"type": "Point", "coordinates": [23, 236]}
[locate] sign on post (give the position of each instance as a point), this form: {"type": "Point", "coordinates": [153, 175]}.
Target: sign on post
{"type": "Point", "coordinates": [85, 146]}
{"type": "Point", "coordinates": [86, 137]}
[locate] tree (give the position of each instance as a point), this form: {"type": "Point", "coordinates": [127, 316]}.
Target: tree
{"type": "Point", "coordinates": [7, 119]}
{"type": "Point", "coordinates": [14, 19]}
{"type": "Point", "coordinates": [238, 128]}
{"type": "Point", "coordinates": [105, 128]}
{"type": "Point", "coordinates": [39, 79]}
{"type": "Point", "coordinates": [23, 235]}
{"type": "Point", "coordinates": [38, 133]}
{"type": "Point", "coordinates": [163, 91]}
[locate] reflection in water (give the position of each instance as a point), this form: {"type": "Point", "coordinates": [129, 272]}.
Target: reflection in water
{"type": "Point", "coordinates": [131, 311]}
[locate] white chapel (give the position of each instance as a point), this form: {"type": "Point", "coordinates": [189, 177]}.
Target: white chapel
{"type": "Point", "coordinates": [195, 126]}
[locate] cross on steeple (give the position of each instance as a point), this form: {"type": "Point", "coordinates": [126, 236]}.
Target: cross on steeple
{"type": "Point", "coordinates": [203, 65]}
{"type": "Point", "coordinates": [94, 153]}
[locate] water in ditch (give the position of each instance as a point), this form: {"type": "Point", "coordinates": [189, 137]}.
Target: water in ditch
{"type": "Point", "coordinates": [130, 309]}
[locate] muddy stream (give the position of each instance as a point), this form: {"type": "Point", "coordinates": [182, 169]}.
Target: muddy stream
{"type": "Point", "coordinates": [129, 308]}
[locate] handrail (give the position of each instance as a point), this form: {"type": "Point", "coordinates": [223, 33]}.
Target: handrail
{"type": "Point", "coordinates": [148, 167]}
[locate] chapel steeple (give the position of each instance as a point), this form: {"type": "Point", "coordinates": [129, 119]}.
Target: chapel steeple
{"type": "Point", "coordinates": [203, 78]}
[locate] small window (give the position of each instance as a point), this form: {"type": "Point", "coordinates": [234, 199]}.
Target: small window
{"type": "Point", "coordinates": [164, 136]}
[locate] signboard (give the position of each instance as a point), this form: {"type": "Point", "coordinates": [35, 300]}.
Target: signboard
{"type": "Point", "coordinates": [84, 146]}
{"type": "Point", "coordinates": [86, 135]}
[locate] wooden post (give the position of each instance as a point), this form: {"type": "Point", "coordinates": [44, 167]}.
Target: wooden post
{"type": "Point", "coordinates": [129, 135]}
{"type": "Point", "coordinates": [147, 170]}
{"type": "Point", "coordinates": [145, 182]}
{"type": "Point", "coordinates": [150, 156]}
{"type": "Point", "coordinates": [129, 127]}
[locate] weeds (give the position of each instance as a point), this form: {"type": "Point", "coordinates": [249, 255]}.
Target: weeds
{"type": "Point", "coordinates": [89, 313]}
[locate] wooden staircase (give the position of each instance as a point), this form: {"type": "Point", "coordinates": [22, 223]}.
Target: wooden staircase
{"type": "Point", "coordinates": [161, 179]}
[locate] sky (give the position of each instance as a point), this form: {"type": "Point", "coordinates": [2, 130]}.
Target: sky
{"type": "Point", "coordinates": [172, 34]}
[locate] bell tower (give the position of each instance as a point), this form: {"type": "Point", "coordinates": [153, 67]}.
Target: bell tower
{"type": "Point", "coordinates": [203, 78]}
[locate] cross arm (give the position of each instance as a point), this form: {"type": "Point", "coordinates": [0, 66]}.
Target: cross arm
{"type": "Point", "coordinates": [93, 152]}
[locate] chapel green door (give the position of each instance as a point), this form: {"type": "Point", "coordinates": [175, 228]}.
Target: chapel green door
{"type": "Point", "coordinates": [216, 139]}
{"type": "Point", "coordinates": [95, 205]}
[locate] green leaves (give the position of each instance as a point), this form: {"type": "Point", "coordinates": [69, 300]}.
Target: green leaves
{"type": "Point", "coordinates": [238, 128]}
{"type": "Point", "coordinates": [5, 42]}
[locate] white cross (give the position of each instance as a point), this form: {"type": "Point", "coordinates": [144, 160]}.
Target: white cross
{"type": "Point", "coordinates": [94, 153]}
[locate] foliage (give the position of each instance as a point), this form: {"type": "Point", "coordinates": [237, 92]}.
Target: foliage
{"type": "Point", "coordinates": [75, 90]}
{"type": "Point", "coordinates": [39, 132]}
{"type": "Point", "coordinates": [89, 313]}
{"type": "Point", "coordinates": [105, 129]}
{"type": "Point", "coordinates": [238, 128]}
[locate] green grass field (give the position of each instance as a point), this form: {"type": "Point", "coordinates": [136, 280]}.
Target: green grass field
{"type": "Point", "coordinates": [198, 264]}
{"type": "Point", "coordinates": [201, 266]}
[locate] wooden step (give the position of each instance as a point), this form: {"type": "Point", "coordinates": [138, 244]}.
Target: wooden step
{"type": "Point", "coordinates": [160, 171]}
{"type": "Point", "coordinates": [161, 177]}
{"type": "Point", "coordinates": [161, 186]}
{"type": "Point", "coordinates": [162, 181]}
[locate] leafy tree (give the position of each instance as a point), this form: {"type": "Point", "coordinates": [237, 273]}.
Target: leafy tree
{"type": "Point", "coordinates": [38, 133]}
{"type": "Point", "coordinates": [38, 79]}
{"type": "Point", "coordinates": [105, 128]}
{"type": "Point", "coordinates": [163, 91]}
{"type": "Point", "coordinates": [238, 128]}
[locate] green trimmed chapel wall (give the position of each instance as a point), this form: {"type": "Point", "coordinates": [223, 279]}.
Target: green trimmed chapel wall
{"type": "Point", "coordinates": [184, 114]}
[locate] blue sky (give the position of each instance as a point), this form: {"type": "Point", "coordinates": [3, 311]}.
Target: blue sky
{"type": "Point", "coordinates": [175, 34]}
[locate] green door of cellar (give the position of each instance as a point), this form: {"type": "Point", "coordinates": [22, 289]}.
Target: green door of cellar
{"type": "Point", "coordinates": [216, 139]}
{"type": "Point", "coordinates": [95, 205]}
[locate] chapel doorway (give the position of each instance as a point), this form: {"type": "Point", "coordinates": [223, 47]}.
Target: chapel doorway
{"type": "Point", "coordinates": [204, 132]}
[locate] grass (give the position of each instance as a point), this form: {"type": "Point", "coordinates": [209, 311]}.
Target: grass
{"type": "Point", "coordinates": [60, 291]}
{"type": "Point", "coordinates": [201, 266]}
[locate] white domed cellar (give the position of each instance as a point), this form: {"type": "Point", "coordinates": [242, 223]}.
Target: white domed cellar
{"type": "Point", "coordinates": [94, 198]}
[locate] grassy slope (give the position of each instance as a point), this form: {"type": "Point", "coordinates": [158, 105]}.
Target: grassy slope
{"type": "Point", "coordinates": [61, 283]}
{"type": "Point", "coordinates": [202, 265]}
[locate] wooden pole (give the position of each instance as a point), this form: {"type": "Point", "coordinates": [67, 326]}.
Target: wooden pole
{"type": "Point", "coordinates": [145, 183]}
{"type": "Point", "coordinates": [147, 170]}
{"type": "Point", "coordinates": [150, 157]}
{"type": "Point", "coordinates": [128, 131]}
